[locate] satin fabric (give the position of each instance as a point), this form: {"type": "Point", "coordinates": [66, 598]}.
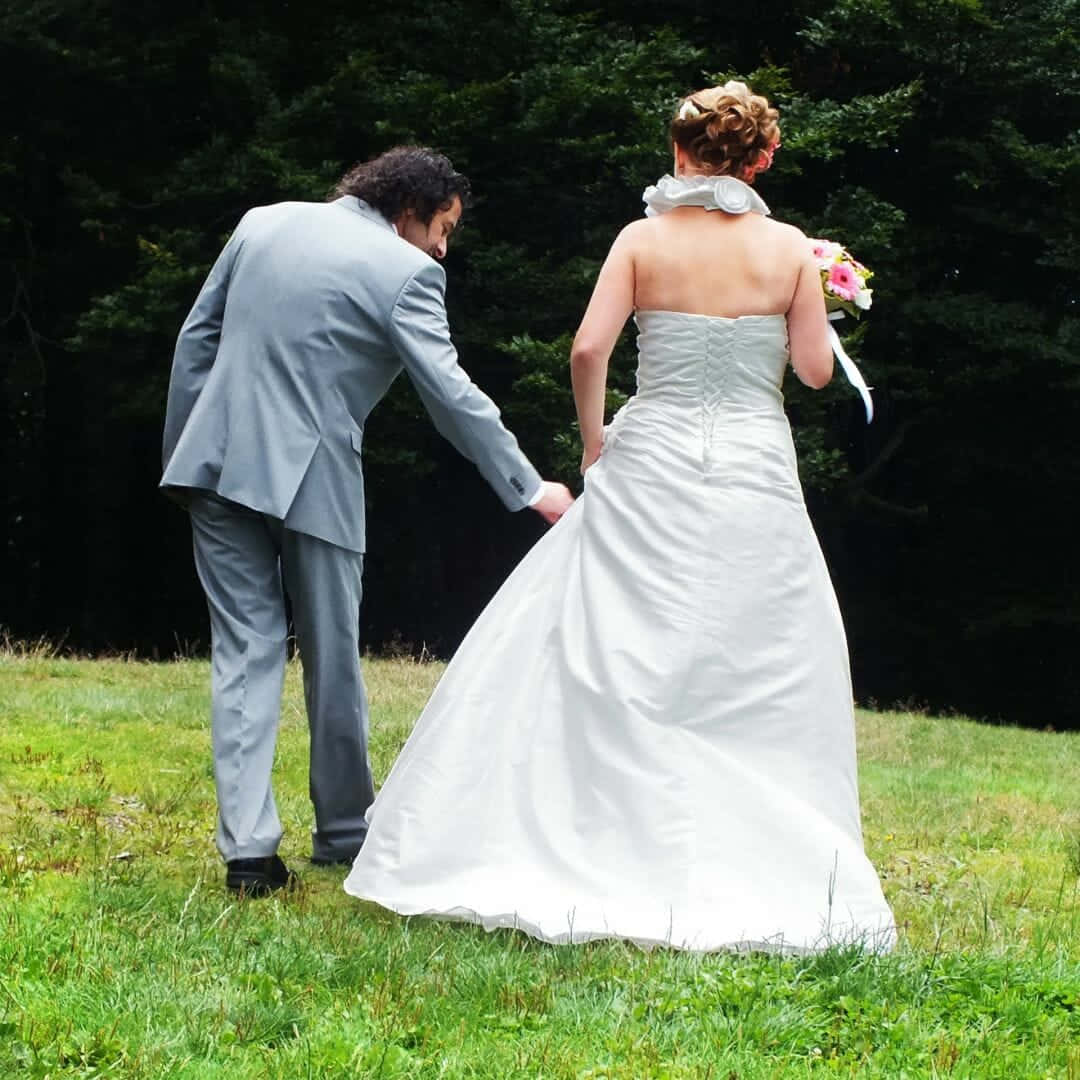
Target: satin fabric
{"type": "Point", "coordinates": [726, 193]}
{"type": "Point", "coordinates": [648, 733]}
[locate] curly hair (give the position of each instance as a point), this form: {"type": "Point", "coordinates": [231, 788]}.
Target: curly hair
{"type": "Point", "coordinates": [406, 178]}
{"type": "Point", "coordinates": [727, 129]}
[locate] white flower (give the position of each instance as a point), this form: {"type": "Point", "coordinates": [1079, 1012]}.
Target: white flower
{"type": "Point", "coordinates": [688, 110]}
{"type": "Point", "coordinates": [863, 299]}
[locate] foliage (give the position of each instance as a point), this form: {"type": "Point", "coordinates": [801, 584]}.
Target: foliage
{"type": "Point", "coordinates": [937, 138]}
{"type": "Point", "coordinates": [976, 320]}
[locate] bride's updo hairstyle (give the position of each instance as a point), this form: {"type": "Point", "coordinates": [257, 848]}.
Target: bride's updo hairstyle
{"type": "Point", "coordinates": [727, 130]}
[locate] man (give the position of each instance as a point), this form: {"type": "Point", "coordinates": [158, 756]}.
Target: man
{"type": "Point", "coordinates": [307, 317]}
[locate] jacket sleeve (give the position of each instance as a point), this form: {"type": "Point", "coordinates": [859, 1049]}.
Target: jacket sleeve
{"type": "Point", "coordinates": [460, 410]}
{"type": "Point", "coordinates": [197, 344]}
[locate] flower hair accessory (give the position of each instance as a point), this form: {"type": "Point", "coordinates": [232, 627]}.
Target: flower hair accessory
{"type": "Point", "coordinates": [689, 110]}
{"type": "Point", "coordinates": [765, 160]}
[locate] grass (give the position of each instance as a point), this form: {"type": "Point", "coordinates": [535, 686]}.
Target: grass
{"type": "Point", "coordinates": [122, 956]}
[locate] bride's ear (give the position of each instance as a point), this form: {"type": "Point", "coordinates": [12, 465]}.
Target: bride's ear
{"type": "Point", "coordinates": [684, 161]}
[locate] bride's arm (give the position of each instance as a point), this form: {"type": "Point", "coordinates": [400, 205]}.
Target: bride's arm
{"type": "Point", "coordinates": [808, 329]}
{"type": "Point", "coordinates": [611, 304]}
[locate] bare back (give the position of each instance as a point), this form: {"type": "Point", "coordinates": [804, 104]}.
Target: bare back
{"type": "Point", "coordinates": [710, 262]}
{"type": "Point", "coordinates": [707, 262]}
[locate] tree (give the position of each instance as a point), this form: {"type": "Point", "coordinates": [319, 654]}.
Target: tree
{"type": "Point", "coordinates": [937, 139]}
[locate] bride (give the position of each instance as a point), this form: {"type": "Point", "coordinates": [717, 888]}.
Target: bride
{"type": "Point", "coordinates": [649, 734]}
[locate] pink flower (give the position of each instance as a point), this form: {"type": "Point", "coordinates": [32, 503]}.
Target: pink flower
{"type": "Point", "coordinates": [843, 281]}
{"type": "Point", "coordinates": [765, 158]}
{"type": "Point", "coordinates": [825, 249]}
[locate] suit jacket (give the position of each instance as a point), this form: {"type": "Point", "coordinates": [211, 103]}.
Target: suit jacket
{"type": "Point", "coordinates": [306, 318]}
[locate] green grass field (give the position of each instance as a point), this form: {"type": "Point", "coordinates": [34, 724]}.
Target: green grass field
{"type": "Point", "coordinates": [121, 954]}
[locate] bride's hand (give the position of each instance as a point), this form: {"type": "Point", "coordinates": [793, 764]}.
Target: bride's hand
{"type": "Point", "coordinates": [590, 455]}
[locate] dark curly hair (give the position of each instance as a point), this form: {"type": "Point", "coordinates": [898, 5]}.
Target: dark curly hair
{"type": "Point", "coordinates": [406, 178]}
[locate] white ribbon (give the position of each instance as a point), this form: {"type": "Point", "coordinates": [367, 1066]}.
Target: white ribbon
{"type": "Point", "coordinates": [854, 375]}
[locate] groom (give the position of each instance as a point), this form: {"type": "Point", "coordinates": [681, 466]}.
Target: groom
{"type": "Point", "coordinates": [306, 318]}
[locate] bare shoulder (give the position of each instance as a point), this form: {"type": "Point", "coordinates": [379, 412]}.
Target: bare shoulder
{"type": "Point", "coordinates": [636, 234]}
{"type": "Point", "coordinates": [789, 235]}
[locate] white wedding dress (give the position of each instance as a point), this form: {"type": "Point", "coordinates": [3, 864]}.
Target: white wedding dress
{"type": "Point", "coordinates": [648, 733]}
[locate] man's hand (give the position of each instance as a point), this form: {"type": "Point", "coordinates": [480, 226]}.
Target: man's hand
{"type": "Point", "coordinates": [555, 500]}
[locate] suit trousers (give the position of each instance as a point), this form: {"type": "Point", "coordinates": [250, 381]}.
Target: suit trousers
{"type": "Point", "coordinates": [247, 562]}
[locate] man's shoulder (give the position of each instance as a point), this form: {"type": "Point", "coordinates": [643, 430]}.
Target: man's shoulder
{"type": "Point", "coordinates": [350, 236]}
{"type": "Point", "coordinates": [278, 209]}
{"type": "Point", "coordinates": [337, 210]}
{"type": "Point", "coordinates": [334, 220]}
{"type": "Point", "coordinates": [259, 220]}
{"type": "Point", "coordinates": [400, 259]}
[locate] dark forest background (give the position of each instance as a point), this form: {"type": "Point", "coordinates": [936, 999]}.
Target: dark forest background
{"type": "Point", "coordinates": [937, 138]}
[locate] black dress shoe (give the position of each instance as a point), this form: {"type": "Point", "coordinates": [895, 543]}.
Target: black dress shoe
{"type": "Point", "coordinates": [335, 860]}
{"type": "Point", "coordinates": [258, 877]}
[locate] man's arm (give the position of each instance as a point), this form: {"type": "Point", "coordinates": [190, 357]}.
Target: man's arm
{"type": "Point", "coordinates": [197, 345]}
{"type": "Point", "coordinates": [460, 410]}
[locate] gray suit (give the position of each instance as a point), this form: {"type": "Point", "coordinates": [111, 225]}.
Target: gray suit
{"type": "Point", "coordinates": [306, 318]}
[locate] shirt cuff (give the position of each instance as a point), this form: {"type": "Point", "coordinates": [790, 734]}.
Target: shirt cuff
{"type": "Point", "coordinates": [539, 494]}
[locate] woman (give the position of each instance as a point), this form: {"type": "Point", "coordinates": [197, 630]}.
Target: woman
{"type": "Point", "coordinates": [648, 734]}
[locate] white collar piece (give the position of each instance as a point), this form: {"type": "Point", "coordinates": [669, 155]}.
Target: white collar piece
{"type": "Point", "coordinates": [712, 192]}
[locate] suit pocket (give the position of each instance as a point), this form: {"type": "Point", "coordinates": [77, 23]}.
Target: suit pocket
{"type": "Point", "coordinates": [357, 440]}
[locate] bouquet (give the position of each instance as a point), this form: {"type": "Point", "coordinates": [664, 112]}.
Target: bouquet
{"type": "Point", "coordinates": [843, 278]}
{"type": "Point", "coordinates": [843, 281]}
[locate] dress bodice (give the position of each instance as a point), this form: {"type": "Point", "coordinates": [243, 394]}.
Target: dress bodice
{"type": "Point", "coordinates": [728, 364]}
